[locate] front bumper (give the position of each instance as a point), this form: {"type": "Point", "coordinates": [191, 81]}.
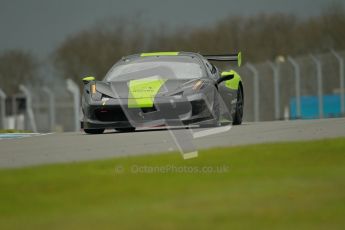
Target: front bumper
{"type": "Point", "coordinates": [171, 111]}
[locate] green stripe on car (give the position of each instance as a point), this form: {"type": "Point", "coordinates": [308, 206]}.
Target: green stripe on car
{"type": "Point", "coordinates": [142, 92]}
{"type": "Point", "coordinates": [159, 54]}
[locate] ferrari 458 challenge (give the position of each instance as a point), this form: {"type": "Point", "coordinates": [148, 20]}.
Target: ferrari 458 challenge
{"type": "Point", "coordinates": [164, 88]}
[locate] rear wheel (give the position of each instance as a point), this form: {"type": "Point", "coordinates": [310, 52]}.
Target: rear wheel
{"type": "Point", "coordinates": [125, 130]}
{"type": "Point", "coordinates": [237, 117]}
{"type": "Point", "coordinates": [94, 131]}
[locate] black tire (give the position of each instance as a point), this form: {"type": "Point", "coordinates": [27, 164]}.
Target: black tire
{"type": "Point", "coordinates": [94, 131]}
{"type": "Point", "coordinates": [125, 130]}
{"type": "Point", "coordinates": [216, 109]}
{"type": "Point", "coordinates": [238, 115]}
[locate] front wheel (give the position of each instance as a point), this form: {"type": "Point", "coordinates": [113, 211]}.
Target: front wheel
{"type": "Point", "coordinates": [215, 121]}
{"type": "Point", "coordinates": [125, 130]}
{"type": "Point", "coordinates": [94, 131]}
{"type": "Point", "coordinates": [238, 115]}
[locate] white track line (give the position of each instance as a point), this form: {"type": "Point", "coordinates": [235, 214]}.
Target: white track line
{"type": "Point", "coordinates": [8, 136]}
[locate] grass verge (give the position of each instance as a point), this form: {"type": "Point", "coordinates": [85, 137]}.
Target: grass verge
{"type": "Point", "coordinates": [298, 185]}
{"type": "Point", "coordinates": [14, 131]}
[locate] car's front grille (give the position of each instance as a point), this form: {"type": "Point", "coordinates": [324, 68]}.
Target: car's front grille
{"type": "Point", "coordinates": [110, 114]}
{"type": "Point", "coordinates": [150, 109]}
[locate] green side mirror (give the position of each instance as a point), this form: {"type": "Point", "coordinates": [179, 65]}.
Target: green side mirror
{"type": "Point", "coordinates": [225, 76]}
{"type": "Point", "coordinates": [239, 59]}
{"type": "Point", "coordinates": [226, 73]}
{"type": "Point", "coordinates": [88, 79]}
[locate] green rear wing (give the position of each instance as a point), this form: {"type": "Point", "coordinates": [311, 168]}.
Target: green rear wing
{"type": "Point", "coordinates": [226, 57]}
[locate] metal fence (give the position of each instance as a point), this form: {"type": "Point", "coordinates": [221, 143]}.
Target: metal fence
{"type": "Point", "coordinates": [272, 87]}
{"type": "Point", "coordinates": [274, 90]}
{"type": "Point", "coordinates": [41, 109]}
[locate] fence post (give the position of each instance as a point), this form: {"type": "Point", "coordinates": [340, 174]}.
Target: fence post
{"type": "Point", "coordinates": [256, 91]}
{"type": "Point", "coordinates": [297, 71]}
{"type": "Point", "coordinates": [29, 111]}
{"type": "Point", "coordinates": [74, 89]}
{"type": "Point", "coordinates": [51, 101]}
{"type": "Point", "coordinates": [275, 70]}
{"type": "Point", "coordinates": [319, 83]}
{"type": "Point", "coordinates": [2, 109]}
{"type": "Point", "coordinates": [342, 81]}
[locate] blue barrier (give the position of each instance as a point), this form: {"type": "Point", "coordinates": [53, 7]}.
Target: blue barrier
{"type": "Point", "coordinates": [310, 107]}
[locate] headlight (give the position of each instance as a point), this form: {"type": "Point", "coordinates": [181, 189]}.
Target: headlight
{"type": "Point", "coordinates": [193, 86]}
{"type": "Point", "coordinates": [187, 88]}
{"type": "Point", "coordinates": [198, 85]}
{"type": "Point", "coordinates": [95, 95]}
{"type": "Point", "coordinates": [93, 88]}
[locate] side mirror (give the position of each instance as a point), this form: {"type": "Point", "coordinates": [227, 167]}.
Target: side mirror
{"type": "Point", "coordinates": [86, 80]}
{"type": "Point", "coordinates": [225, 76]}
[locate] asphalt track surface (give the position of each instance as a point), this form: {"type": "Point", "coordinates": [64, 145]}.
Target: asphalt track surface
{"type": "Point", "coordinates": [77, 146]}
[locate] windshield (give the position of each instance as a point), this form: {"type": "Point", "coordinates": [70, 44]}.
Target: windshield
{"type": "Point", "coordinates": [168, 69]}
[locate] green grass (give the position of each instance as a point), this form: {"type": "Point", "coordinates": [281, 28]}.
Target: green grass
{"type": "Point", "coordinates": [14, 131]}
{"type": "Point", "coordinates": [271, 186]}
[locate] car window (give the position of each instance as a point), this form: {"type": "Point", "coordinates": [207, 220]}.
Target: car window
{"type": "Point", "coordinates": [214, 69]}
{"type": "Point", "coordinates": [177, 69]}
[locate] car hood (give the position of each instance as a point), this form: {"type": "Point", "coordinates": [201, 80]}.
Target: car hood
{"type": "Point", "coordinates": [141, 88]}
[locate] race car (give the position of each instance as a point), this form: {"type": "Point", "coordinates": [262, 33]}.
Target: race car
{"type": "Point", "coordinates": [163, 88]}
